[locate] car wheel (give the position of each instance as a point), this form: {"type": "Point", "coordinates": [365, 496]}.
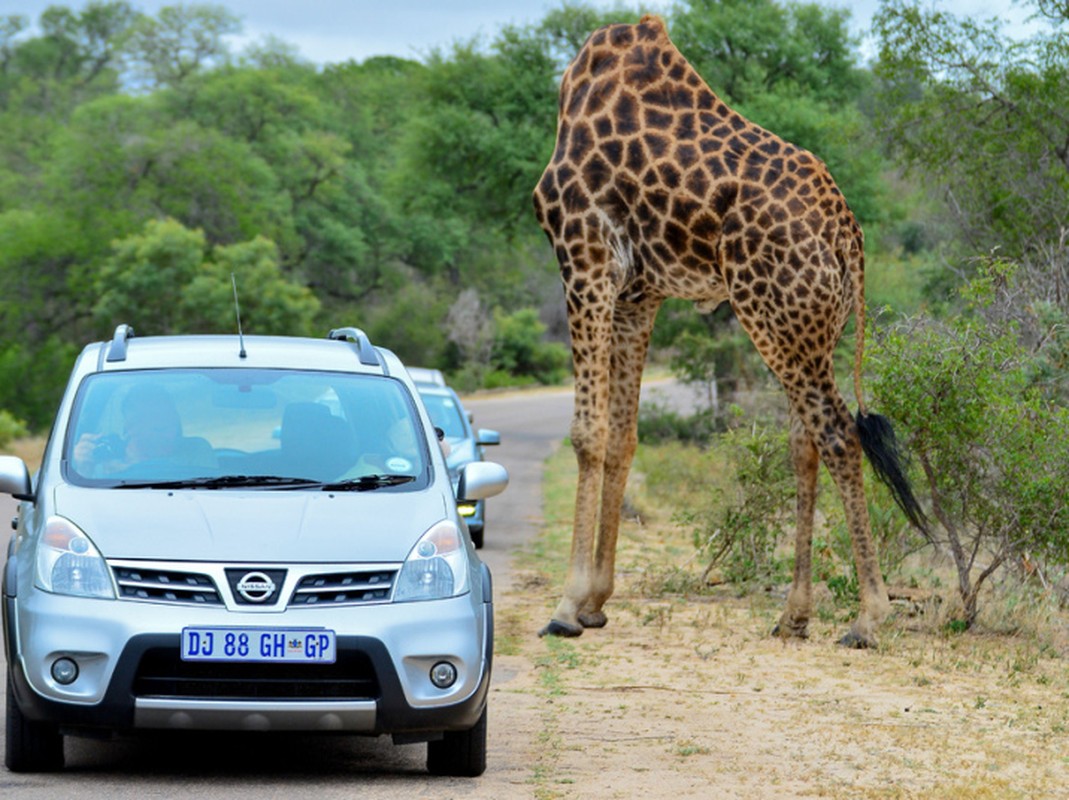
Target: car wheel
{"type": "Point", "coordinates": [459, 753]}
{"type": "Point", "coordinates": [30, 746]}
{"type": "Point", "coordinates": [476, 537]}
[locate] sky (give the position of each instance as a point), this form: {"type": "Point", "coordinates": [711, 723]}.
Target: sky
{"type": "Point", "coordinates": [331, 31]}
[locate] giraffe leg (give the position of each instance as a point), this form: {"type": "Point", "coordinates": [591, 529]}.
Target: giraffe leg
{"type": "Point", "coordinates": [835, 434]}
{"type": "Point", "coordinates": [632, 326]}
{"type": "Point", "coordinates": [591, 333]}
{"type": "Point", "coordinates": [795, 618]}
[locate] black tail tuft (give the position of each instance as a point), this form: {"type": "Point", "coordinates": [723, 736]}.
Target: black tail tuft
{"type": "Point", "coordinates": [880, 446]}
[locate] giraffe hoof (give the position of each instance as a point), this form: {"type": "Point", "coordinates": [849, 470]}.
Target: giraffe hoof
{"type": "Point", "coordinates": [593, 619]}
{"type": "Point", "coordinates": [790, 631]}
{"type": "Point", "coordinates": [558, 628]}
{"type": "Point", "coordinates": [856, 641]}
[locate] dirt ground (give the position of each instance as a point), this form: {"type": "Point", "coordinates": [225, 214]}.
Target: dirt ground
{"type": "Point", "coordinates": [691, 698]}
{"type": "Point", "coordinates": [680, 698]}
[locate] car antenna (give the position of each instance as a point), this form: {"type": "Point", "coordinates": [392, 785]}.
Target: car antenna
{"type": "Point", "coordinates": [237, 311]}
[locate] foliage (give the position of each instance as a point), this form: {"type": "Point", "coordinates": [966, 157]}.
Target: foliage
{"type": "Point", "coordinates": [980, 119]}
{"type": "Point", "coordinates": [741, 531]}
{"type": "Point", "coordinates": [714, 362]}
{"type": "Point", "coordinates": [518, 348]}
{"type": "Point", "coordinates": [31, 378]}
{"type": "Point", "coordinates": [181, 41]}
{"type": "Point", "coordinates": [990, 444]}
{"type": "Point", "coordinates": [10, 428]}
{"type": "Point", "coordinates": [375, 193]}
{"type": "Point", "coordinates": [747, 49]}
{"type": "Point", "coordinates": [658, 424]}
{"type": "Point", "coordinates": [139, 281]}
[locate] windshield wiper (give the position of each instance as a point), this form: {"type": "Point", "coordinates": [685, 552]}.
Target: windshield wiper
{"type": "Point", "coordinates": [221, 482]}
{"type": "Point", "coordinates": [366, 483]}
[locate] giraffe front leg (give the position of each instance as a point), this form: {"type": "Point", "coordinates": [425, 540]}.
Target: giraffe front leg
{"type": "Point", "coordinates": [589, 451]}
{"type": "Point", "coordinates": [632, 325]}
{"type": "Point", "coordinates": [591, 343]}
{"type": "Point", "coordinates": [794, 622]}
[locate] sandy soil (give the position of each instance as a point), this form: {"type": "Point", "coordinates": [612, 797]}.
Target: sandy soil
{"type": "Point", "coordinates": [682, 698]}
{"type": "Point", "coordinates": [695, 701]}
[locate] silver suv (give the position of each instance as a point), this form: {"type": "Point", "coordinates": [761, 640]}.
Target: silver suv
{"type": "Point", "coordinates": [255, 534]}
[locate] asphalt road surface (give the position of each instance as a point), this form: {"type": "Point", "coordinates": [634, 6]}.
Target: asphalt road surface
{"type": "Point", "coordinates": [235, 766]}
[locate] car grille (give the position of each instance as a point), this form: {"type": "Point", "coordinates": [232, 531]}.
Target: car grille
{"type": "Point", "coordinates": [162, 674]}
{"type": "Point", "coordinates": [342, 588]}
{"type": "Point", "coordinates": [166, 586]}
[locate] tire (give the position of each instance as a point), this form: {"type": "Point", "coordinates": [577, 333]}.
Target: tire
{"type": "Point", "coordinates": [30, 746]}
{"type": "Point", "coordinates": [476, 537]}
{"type": "Point", "coordinates": [460, 754]}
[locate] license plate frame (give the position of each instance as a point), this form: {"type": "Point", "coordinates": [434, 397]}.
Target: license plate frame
{"type": "Point", "coordinates": [258, 645]}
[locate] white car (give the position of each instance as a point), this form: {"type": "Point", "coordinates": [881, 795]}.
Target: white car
{"type": "Point", "coordinates": [255, 534]}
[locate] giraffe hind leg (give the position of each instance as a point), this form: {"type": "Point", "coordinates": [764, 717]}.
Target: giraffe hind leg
{"type": "Point", "coordinates": [838, 442]}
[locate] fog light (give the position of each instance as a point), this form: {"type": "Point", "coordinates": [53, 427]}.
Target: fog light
{"type": "Point", "coordinates": [443, 674]}
{"type": "Point", "coordinates": [64, 671]}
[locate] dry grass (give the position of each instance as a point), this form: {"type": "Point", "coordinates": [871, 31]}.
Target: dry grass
{"type": "Point", "coordinates": [686, 695]}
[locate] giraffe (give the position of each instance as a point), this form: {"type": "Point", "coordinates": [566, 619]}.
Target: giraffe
{"type": "Point", "coordinates": [657, 189]}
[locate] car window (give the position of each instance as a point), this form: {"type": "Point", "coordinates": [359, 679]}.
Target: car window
{"type": "Point", "coordinates": [446, 413]}
{"type": "Point", "coordinates": [178, 424]}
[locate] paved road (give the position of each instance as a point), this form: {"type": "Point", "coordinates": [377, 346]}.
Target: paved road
{"type": "Point", "coordinates": [236, 766]}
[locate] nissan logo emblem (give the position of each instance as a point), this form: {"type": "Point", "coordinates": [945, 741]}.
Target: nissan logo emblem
{"type": "Point", "coordinates": [256, 587]}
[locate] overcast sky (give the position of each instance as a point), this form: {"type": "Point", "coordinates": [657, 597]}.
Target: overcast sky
{"type": "Point", "coordinates": [329, 31]}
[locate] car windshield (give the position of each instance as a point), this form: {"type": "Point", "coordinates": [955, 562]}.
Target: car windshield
{"type": "Point", "coordinates": [219, 428]}
{"type": "Point", "coordinates": [445, 413]}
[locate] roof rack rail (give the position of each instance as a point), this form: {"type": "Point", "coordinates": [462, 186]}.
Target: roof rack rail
{"type": "Point", "coordinates": [117, 349]}
{"type": "Point", "coordinates": [367, 353]}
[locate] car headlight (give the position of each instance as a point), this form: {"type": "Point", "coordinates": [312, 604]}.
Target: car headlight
{"type": "Point", "coordinates": [436, 568]}
{"type": "Point", "coordinates": [68, 563]}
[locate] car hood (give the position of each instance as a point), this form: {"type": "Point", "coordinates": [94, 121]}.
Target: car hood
{"type": "Point", "coordinates": [242, 525]}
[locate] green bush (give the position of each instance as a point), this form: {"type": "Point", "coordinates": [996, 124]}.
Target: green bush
{"type": "Point", "coordinates": [991, 444]}
{"type": "Point", "coordinates": [32, 379]}
{"type": "Point", "coordinates": [10, 428]}
{"type": "Point", "coordinates": [519, 350]}
{"type": "Point", "coordinates": [657, 423]}
{"type": "Point", "coordinates": [742, 529]}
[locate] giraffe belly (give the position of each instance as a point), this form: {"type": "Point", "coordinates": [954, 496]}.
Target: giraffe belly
{"type": "Point", "coordinates": [706, 289]}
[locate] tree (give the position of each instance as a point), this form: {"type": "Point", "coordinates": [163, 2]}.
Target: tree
{"type": "Point", "coordinates": [745, 49]}
{"type": "Point", "coordinates": [519, 348]}
{"type": "Point", "coordinates": [180, 42]}
{"type": "Point", "coordinates": [168, 280]}
{"type": "Point", "coordinates": [982, 120]}
{"type": "Point", "coordinates": [990, 444]}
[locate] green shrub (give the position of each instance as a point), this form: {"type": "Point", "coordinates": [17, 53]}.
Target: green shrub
{"type": "Point", "coordinates": [10, 428]}
{"type": "Point", "coordinates": [657, 423]}
{"type": "Point", "coordinates": [991, 444]}
{"type": "Point", "coordinates": [742, 529]}
{"type": "Point", "coordinates": [519, 350]}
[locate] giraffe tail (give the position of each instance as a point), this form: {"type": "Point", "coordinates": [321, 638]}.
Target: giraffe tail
{"type": "Point", "coordinates": [878, 439]}
{"type": "Point", "coordinates": [888, 462]}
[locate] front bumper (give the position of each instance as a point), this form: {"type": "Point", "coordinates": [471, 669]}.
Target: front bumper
{"type": "Point", "coordinates": [131, 676]}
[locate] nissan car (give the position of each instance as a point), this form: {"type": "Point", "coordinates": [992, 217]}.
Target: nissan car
{"type": "Point", "coordinates": [248, 534]}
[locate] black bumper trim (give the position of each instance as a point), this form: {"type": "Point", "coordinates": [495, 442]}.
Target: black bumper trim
{"type": "Point", "coordinates": [116, 711]}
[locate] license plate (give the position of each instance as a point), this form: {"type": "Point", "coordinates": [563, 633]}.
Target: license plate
{"type": "Point", "coordinates": [300, 645]}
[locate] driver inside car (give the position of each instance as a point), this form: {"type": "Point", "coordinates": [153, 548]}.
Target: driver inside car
{"type": "Point", "coordinates": [152, 431]}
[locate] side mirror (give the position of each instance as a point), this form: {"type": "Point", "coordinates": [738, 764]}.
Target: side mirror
{"type": "Point", "coordinates": [15, 478]}
{"type": "Point", "coordinates": [486, 436]}
{"type": "Point", "coordinates": [481, 479]}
